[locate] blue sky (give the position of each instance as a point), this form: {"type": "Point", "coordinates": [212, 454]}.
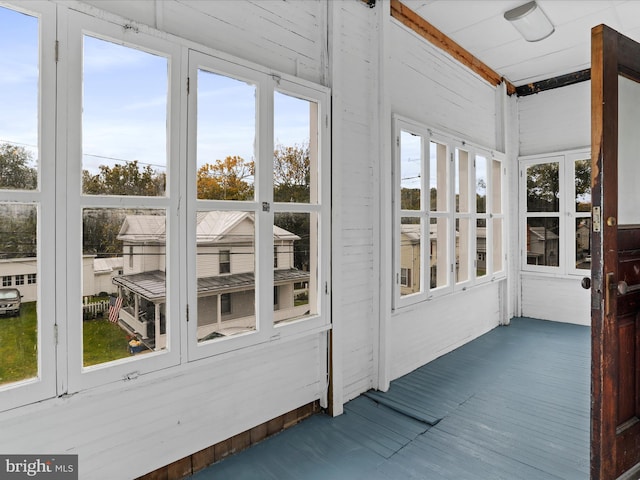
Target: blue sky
{"type": "Point", "coordinates": [125, 103]}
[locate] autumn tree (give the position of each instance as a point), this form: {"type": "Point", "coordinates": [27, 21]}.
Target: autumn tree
{"type": "Point", "coordinates": [292, 174]}
{"type": "Point", "coordinates": [228, 179]}
{"type": "Point", "coordinates": [15, 169]}
{"type": "Point", "coordinates": [543, 187]}
{"type": "Point", "coordinates": [124, 179]}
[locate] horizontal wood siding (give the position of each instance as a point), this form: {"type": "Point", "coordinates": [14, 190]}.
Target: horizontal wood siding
{"type": "Point", "coordinates": [129, 429]}
{"type": "Point", "coordinates": [429, 86]}
{"type": "Point", "coordinates": [133, 427]}
{"type": "Point", "coordinates": [555, 120]}
{"type": "Point", "coordinates": [427, 331]}
{"type": "Point", "coordinates": [354, 160]}
{"type": "Point", "coordinates": [557, 299]}
{"type": "Point", "coordinates": [286, 36]}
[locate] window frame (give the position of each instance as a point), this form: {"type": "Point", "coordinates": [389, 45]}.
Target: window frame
{"type": "Point", "coordinates": [60, 203]}
{"type": "Point", "coordinates": [262, 206]}
{"type": "Point", "coordinates": [44, 384]}
{"type": "Point", "coordinates": [78, 25]}
{"type": "Point", "coordinates": [493, 212]}
{"type": "Point", "coordinates": [566, 211]}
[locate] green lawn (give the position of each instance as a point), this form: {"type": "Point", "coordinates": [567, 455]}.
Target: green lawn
{"type": "Point", "coordinates": [18, 345]}
{"type": "Point", "coordinates": [103, 342]}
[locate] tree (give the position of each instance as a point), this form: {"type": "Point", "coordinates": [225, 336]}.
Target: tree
{"type": "Point", "coordinates": [292, 183]}
{"type": "Point", "coordinates": [15, 172]}
{"type": "Point", "coordinates": [124, 179]}
{"type": "Point", "coordinates": [228, 179]}
{"type": "Point", "coordinates": [583, 185]}
{"type": "Point", "coordinates": [543, 187]}
{"type": "Point", "coordinates": [292, 174]}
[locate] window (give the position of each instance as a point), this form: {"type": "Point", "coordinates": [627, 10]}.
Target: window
{"type": "Point", "coordinates": [450, 192]}
{"type": "Point", "coordinates": [225, 303]}
{"type": "Point", "coordinates": [225, 261]}
{"type": "Point", "coordinates": [129, 148]}
{"type": "Point", "coordinates": [556, 199]}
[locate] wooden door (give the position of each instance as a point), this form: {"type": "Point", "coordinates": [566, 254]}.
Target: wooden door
{"type": "Point", "coordinates": [615, 274]}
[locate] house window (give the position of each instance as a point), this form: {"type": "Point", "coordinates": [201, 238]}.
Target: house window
{"type": "Point", "coordinates": [450, 192]}
{"type": "Point", "coordinates": [225, 303]}
{"type": "Point", "coordinates": [225, 261]}
{"type": "Point", "coordinates": [275, 256]}
{"type": "Point", "coordinates": [556, 202]}
{"type": "Point", "coordinates": [405, 277]}
{"type": "Point", "coordinates": [19, 279]}
{"type": "Point", "coordinates": [6, 281]}
{"type": "Point", "coordinates": [31, 278]}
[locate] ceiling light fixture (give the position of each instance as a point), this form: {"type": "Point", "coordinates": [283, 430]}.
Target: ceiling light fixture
{"type": "Point", "coordinates": [530, 21]}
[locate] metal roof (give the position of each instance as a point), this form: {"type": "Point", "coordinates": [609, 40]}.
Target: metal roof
{"type": "Point", "coordinates": [152, 285]}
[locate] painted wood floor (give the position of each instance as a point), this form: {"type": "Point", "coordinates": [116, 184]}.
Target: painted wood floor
{"type": "Point", "coordinates": [512, 404]}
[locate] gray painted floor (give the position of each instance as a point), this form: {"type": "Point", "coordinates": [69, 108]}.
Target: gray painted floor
{"type": "Point", "coordinates": [513, 404]}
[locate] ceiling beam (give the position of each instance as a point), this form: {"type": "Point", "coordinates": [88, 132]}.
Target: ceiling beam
{"type": "Point", "coordinates": [555, 82]}
{"type": "Point", "coordinates": [415, 22]}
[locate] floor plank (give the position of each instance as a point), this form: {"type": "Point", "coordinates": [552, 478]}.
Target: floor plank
{"type": "Point", "coordinates": [512, 404]}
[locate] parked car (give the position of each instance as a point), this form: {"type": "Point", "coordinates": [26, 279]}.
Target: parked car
{"type": "Point", "coordinates": [10, 301]}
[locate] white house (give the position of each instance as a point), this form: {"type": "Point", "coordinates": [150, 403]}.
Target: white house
{"type": "Point", "coordinates": [225, 268]}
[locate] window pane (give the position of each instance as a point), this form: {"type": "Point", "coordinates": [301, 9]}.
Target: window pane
{"type": "Point", "coordinates": [462, 249]}
{"type": "Point", "coordinates": [543, 241]}
{"type": "Point", "coordinates": [583, 243]}
{"type": "Point", "coordinates": [497, 245]}
{"type": "Point", "coordinates": [481, 247]}
{"type": "Point", "coordinates": [225, 269]}
{"type": "Point", "coordinates": [295, 238]}
{"type": "Point", "coordinates": [481, 184]}
{"type": "Point", "coordinates": [295, 158]}
{"type": "Point", "coordinates": [410, 255]}
{"type": "Point", "coordinates": [123, 283]}
{"type": "Point", "coordinates": [462, 181]}
{"type": "Point", "coordinates": [583, 185]}
{"type": "Point", "coordinates": [226, 138]}
{"type": "Point", "coordinates": [19, 100]}
{"type": "Point", "coordinates": [438, 177]}
{"type": "Point", "coordinates": [543, 184]}
{"type": "Point", "coordinates": [438, 239]}
{"type": "Point", "coordinates": [18, 312]}
{"type": "Point", "coordinates": [124, 120]}
{"type": "Point", "coordinates": [410, 171]}
{"type": "Point", "coordinates": [496, 186]}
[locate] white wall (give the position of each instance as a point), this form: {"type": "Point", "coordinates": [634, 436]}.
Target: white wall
{"type": "Point", "coordinates": [131, 427]}
{"type": "Point", "coordinates": [139, 425]}
{"type": "Point", "coordinates": [553, 121]}
{"type": "Point", "coordinates": [428, 86]}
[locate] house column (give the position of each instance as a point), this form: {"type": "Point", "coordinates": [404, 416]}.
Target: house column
{"type": "Point", "coordinates": [219, 311]}
{"type": "Point", "coordinates": [157, 324]}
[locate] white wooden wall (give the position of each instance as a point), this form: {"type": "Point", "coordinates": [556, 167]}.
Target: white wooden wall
{"type": "Point", "coordinates": [374, 67]}
{"type": "Point", "coordinates": [553, 121]}
{"type": "Point", "coordinates": [430, 87]}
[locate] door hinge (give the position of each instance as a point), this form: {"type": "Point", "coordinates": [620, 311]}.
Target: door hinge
{"type": "Point", "coordinates": [55, 334]}
{"type": "Point", "coordinates": [188, 85]}
{"type": "Point", "coordinates": [187, 313]}
{"type": "Point", "coordinates": [56, 50]}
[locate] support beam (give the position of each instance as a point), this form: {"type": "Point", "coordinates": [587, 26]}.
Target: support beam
{"type": "Point", "coordinates": [555, 82]}
{"type": "Point", "coordinates": [415, 22]}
